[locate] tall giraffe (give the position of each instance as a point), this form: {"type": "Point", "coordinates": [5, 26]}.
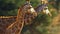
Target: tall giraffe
{"type": "Point", "coordinates": [43, 8]}
{"type": "Point", "coordinates": [23, 16]}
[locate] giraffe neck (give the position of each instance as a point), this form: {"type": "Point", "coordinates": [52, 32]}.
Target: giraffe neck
{"type": "Point", "coordinates": [20, 20]}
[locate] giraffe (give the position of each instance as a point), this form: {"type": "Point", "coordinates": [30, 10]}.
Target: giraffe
{"type": "Point", "coordinates": [25, 13]}
{"type": "Point", "coordinates": [43, 8]}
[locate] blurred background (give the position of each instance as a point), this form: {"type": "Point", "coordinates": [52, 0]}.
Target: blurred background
{"type": "Point", "coordinates": [43, 24]}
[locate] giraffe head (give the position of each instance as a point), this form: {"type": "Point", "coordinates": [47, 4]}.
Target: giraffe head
{"type": "Point", "coordinates": [28, 7]}
{"type": "Point", "coordinates": [46, 11]}
{"type": "Point", "coordinates": [43, 9]}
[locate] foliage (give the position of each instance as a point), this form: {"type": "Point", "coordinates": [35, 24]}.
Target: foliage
{"type": "Point", "coordinates": [43, 19]}
{"type": "Point", "coordinates": [42, 29]}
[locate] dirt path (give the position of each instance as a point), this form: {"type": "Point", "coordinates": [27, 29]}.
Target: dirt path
{"type": "Point", "coordinates": [54, 28]}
